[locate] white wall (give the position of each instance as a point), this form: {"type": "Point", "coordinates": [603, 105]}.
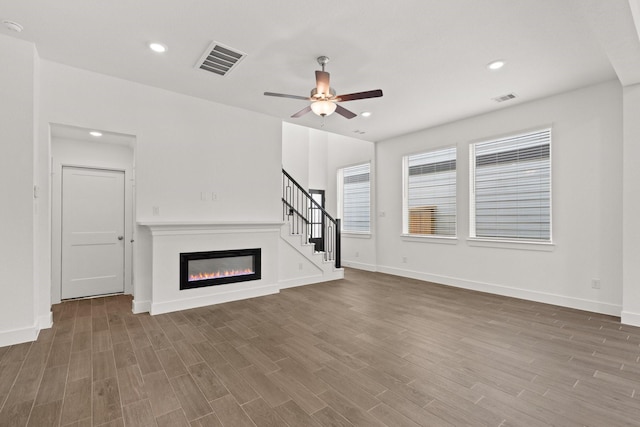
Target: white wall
{"type": "Point", "coordinates": [18, 318]}
{"type": "Point", "coordinates": [294, 268]}
{"type": "Point", "coordinates": [631, 208]}
{"type": "Point", "coordinates": [304, 155]}
{"type": "Point", "coordinates": [185, 145]}
{"type": "Point", "coordinates": [587, 205]}
{"type": "Point", "coordinates": [187, 150]}
{"type": "Point", "coordinates": [295, 152]}
{"type": "Point", "coordinates": [358, 251]}
{"type": "Point", "coordinates": [318, 159]}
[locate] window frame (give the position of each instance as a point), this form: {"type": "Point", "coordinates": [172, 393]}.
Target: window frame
{"type": "Point", "coordinates": [441, 238]}
{"type": "Point", "coordinates": [340, 201]}
{"type": "Point", "coordinates": [509, 242]}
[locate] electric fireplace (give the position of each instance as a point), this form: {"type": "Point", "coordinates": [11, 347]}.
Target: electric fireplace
{"type": "Point", "coordinates": [200, 269]}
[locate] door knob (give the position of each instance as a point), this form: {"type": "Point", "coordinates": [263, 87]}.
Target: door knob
{"type": "Point", "coordinates": [120, 237]}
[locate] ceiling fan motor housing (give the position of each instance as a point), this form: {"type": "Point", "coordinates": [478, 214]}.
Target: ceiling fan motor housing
{"type": "Point", "coordinates": [328, 96]}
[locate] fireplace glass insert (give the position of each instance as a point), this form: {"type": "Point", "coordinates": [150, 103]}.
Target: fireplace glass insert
{"type": "Point", "coordinates": [200, 269]}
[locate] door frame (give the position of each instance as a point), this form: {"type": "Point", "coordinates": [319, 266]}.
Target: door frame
{"type": "Point", "coordinates": [318, 242]}
{"type": "Point", "coordinates": [96, 161]}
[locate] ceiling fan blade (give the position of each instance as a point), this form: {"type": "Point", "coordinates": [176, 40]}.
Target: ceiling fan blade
{"type": "Point", "coordinates": [322, 82]}
{"type": "Point", "coordinates": [360, 95]}
{"type": "Point", "coordinates": [302, 112]}
{"type": "Point", "coordinates": [344, 112]}
{"type": "Point", "coordinates": [283, 95]}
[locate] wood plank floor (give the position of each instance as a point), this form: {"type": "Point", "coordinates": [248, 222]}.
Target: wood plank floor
{"type": "Point", "coordinates": [369, 350]}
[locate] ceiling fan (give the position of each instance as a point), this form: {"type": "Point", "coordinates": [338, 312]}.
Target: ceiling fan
{"type": "Point", "coordinates": [323, 98]}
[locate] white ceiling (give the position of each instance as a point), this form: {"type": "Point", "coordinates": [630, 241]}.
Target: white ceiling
{"type": "Point", "coordinates": [428, 56]}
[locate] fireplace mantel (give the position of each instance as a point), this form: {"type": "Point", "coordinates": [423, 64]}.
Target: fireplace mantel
{"type": "Point", "coordinates": [188, 226]}
{"type": "Point", "coordinates": [169, 238]}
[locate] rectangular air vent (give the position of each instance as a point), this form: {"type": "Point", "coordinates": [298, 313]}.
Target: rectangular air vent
{"type": "Point", "coordinates": [220, 59]}
{"type": "Point", "coordinates": [506, 97]}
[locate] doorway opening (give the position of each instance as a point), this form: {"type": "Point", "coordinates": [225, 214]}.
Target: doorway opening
{"type": "Point", "coordinates": [92, 232]}
{"type": "Point", "coordinates": [316, 225]}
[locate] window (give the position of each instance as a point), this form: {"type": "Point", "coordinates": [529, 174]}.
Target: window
{"type": "Point", "coordinates": [354, 198]}
{"type": "Point", "coordinates": [511, 187]}
{"type": "Point", "coordinates": [430, 193]}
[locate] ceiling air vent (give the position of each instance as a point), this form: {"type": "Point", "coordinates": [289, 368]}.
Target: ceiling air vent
{"type": "Point", "coordinates": [220, 59]}
{"type": "Point", "coordinates": [506, 97]}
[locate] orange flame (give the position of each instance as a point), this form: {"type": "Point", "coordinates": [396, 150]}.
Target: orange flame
{"type": "Point", "coordinates": [218, 274]}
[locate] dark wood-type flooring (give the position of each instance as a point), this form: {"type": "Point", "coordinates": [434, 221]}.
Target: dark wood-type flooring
{"type": "Point", "coordinates": [369, 350]}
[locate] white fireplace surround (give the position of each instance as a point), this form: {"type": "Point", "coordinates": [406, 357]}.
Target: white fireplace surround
{"type": "Point", "coordinates": [169, 239]}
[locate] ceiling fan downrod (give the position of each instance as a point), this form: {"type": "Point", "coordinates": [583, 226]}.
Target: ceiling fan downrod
{"type": "Point", "coordinates": [323, 60]}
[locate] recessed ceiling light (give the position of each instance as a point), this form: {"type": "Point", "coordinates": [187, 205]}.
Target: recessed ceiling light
{"type": "Point", "coordinates": [495, 65]}
{"type": "Point", "coordinates": [157, 47]}
{"type": "Point", "coordinates": [366, 114]}
{"type": "Point", "coordinates": [13, 26]}
{"type": "Point", "coordinates": [95, 133]}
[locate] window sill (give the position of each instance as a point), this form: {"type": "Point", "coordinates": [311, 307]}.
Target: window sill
{"type": "Point", "coordinates": [512, 244]}
{"type": "Point", "coordinates": [354, 235]}
{"type": "Point", "coordinates": [429, 239]}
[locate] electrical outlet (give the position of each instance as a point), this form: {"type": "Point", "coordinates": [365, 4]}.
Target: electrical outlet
{"type": "Point", "coordinates": [204, 196]}
{"type": "Point", "coordinates": [404, 259]}
{"type": "Point", "coordinates": [156, 211]}
{"type": "Point", "coordinates": [214, 196]}
{"type": "Point", "coordinates": [595, 283]}
{"type": "Point", "coordinates": [357, 254]}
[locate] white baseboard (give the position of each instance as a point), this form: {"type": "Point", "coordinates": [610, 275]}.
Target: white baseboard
{"type": "Point", "coordinates": [45, 321]}
{"type": "Point", "coordinates": [140, 306]}
{"type": "Point", "coordinates": [18, 336]}
{"type": "Point", "coordinates": [360, 265]}
{"type": "Point", "coordinates": [543, 297]}
{"type": "Point", "coordinates": [310, 280]}
{"type": "Point", "coordinates": [629, 318]}
{"type": "Point", "coordinates": [201, 301]}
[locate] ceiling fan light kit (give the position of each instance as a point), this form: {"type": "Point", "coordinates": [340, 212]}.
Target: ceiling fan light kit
{"type": "Point", "coordinates": [323, 108]}
{"type": "Point", "coordinates": [323, 97]}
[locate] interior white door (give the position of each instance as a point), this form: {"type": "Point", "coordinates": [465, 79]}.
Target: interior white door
{"type": "Point", "coordinates": [92, 232]}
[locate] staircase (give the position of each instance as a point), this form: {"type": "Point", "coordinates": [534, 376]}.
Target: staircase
{"type": "Point", "coordinates": [304, 220]}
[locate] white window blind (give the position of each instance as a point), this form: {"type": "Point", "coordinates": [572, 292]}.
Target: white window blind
{"type": "Point", "coordinates": [430, 193]}
{"type": "Point", "coordinates": [511, 187]}
{"type": "Point", "coordinates": [356, 205]}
